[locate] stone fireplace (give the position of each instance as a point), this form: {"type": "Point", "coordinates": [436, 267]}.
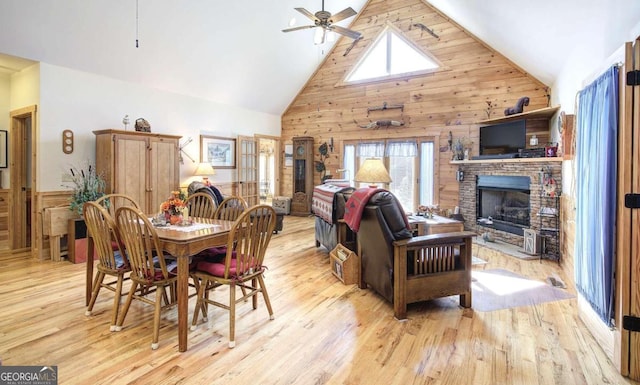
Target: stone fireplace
{"type": "Point", "coordinates": [508, 191]}
{"type": "Point", "coordinates": [503, 202]}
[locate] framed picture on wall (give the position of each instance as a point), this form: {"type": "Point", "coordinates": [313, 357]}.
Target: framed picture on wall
{"type": "Point", "coordinates": [4, 149]}
{"type": "Point", "coordinates": [219, 151]}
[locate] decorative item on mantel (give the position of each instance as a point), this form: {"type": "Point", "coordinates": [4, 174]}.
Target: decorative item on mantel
{"type": "Point", "coordinates": [518, 108]}
{"type": "Point", "coordinates": [125, 121]}
{"type": "Point", "coordinates": [461, 148]}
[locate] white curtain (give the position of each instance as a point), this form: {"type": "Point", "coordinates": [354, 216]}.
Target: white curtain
{"type": "Point", "coordinates": [402, 148]}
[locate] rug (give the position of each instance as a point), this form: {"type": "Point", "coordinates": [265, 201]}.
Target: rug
{"type": "Point", "coordinates": [477, 261]}
{"type": "Point", "coordinates": [497, 289]}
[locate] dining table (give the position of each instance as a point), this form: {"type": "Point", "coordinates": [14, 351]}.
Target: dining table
{"type": "Point", "coordinates": [180, 242]}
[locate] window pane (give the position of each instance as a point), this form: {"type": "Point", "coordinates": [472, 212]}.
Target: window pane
{"type": "Point", "coordinates": [405, 58]}
{"type": "Point", "coordinates": [403, 176]}
{"type": "Point", "coordinates": [349, 162]}
{"type": "Point", "coordinates": [426, 173]}
{"type": "Point", "coordinates": [375, 64]}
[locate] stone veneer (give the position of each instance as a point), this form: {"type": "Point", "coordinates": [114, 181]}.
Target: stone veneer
{"type": "Point", "coordinates": [512, 167]}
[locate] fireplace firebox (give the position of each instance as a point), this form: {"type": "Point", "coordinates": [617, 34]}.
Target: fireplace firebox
{"type": "Point", "coordinates": [503, 202]}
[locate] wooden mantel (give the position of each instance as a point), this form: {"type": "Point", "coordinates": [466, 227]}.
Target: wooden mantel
{"type": "Point", "coordinates": [508, 160]}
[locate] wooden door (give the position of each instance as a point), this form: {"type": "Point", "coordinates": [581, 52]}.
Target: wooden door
{"type": "Point", "coordinates": [628, 238]}
{"type": "Point", "coordinates": [22, 167]}
{"type": "Point", "coordinates": [248, 169]}
{"type": "Point", "coordinates": [130, 167]}
{"type": "Point", "coordinates": [163, 171]}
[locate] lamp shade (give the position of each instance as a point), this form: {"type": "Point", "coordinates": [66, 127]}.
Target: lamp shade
{"type": "Point", "coordinates": [372, 171]}
{"type": "Point", "coordinates": [204, 169]}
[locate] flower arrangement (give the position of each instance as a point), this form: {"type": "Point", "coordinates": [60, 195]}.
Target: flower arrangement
{"type": "Point", "coordinates": [87, 186]}
{"type": "Point", "coordinates": [428, 211]}
{"type": "Point", "coordinates": [174, 205]}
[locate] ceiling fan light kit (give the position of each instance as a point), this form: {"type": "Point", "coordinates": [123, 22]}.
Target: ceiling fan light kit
{"type": "Point", "coordinates": [325, 20]}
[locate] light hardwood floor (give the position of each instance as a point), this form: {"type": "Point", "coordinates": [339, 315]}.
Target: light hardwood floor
{"type": "Point", "coordinates": [324, 332]}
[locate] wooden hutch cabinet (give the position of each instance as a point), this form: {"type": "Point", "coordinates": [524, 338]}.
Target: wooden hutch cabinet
{"type": "Point", "coordinates": [141, 165]}
{"type": "Point", "coordinates": [302, 175]}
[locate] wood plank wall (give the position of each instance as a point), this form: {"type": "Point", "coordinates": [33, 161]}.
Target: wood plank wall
{"type": "Point", "coordinates": [452, 99]}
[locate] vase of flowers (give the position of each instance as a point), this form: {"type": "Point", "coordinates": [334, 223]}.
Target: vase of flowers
{"type": "Point", "coordinates": [87, 186]}
{"type": "Point", "coordinates": [174, 207]}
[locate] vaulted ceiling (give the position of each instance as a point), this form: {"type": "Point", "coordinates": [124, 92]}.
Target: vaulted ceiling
{"type": "Point", "coordinates": [234, 52]}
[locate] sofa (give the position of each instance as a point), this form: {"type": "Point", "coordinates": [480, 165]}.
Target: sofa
{"type": "Point", "coordinates": [328, 205]}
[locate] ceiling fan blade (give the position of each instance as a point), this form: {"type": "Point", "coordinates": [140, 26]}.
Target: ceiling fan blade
{"type": "Point", "coordinates": [344, 14]}
{"type": "Point", "coordinates": [345, 31]}
{"type": "Point", "coordinates": [299, 28]}
{"type": "Point", "coordinates": [308, 14]}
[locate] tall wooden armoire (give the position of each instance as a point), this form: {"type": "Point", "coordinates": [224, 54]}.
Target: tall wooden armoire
{"type": "Point", "coordinates": [302, 175]}
{"type": "Point", "coordinates": [141, 165]}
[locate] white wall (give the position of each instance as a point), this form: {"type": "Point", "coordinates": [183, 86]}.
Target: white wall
{"type": "Point", "coordinates": [84, 102]}
{"type": "Point", "coordinates": [5, 93]}
{"type": "Point", "coordinates": [21, 90]}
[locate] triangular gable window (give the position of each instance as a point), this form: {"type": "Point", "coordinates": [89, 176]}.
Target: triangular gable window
{"type": "Point", "coordinates": [391, 55]}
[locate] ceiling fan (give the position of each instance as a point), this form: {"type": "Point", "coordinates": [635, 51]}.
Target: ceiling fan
{"type": "Point", "coordinates": [325, 20]}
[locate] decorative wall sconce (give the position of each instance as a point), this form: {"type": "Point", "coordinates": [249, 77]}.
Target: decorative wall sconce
{"type": "Point", "coordinates": [67, 141]}
{"type": "Point", "coordinates": [460, 175]}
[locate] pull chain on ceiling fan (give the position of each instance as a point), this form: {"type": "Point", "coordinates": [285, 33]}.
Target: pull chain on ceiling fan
{"type": "Point", "coordinates": [325, 20]}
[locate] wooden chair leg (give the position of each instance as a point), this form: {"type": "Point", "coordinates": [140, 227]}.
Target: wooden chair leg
{"type": "Point", "coordinates": [156, 318]}
{"type": "Point", "coordinates": [116, 304]}
{"type": "Point", "coordinates": [125, 309]}
{"type": "Point", "coordinates": [265, 295]}
{"type": "Point", "coordinates": [97, 285]}
{"type": "Point", "coordinates": [232, 315]}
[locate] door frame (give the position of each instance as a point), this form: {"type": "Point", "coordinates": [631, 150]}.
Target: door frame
{"type": "Point", "coordinates": [277, 159]}
{"type": "Point", "coordinates": [18, 138]}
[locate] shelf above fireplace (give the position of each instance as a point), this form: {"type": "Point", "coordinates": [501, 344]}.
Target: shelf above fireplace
{"type": "Point", "coordinates": [509, 160]}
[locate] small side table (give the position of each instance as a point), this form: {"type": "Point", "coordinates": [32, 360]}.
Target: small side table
{"type": "Point", "coordinates": [435, 225]}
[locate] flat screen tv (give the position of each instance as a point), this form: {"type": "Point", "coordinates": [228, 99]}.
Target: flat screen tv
{"type": "Point", "coordinates": [503, 138]}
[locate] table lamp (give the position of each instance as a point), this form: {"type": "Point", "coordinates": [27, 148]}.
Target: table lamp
{"type": "Point", "coordinates": [372, 171]}
{"type": "Point", "coordinates": [205, 170]}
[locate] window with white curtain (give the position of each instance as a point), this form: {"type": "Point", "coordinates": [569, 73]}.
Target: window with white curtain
{"type": "Point", "coordinates": [410, 163]}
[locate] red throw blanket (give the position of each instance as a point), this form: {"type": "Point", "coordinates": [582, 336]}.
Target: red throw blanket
{"type": "Point", "coordinates": [356, 203]}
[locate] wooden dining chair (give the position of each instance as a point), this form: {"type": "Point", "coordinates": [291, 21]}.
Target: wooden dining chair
{"type": "Point", "coordinates": [150, 274]}
{"type": "Point", "coordinates": [111, 202]}
{"type": "Point", "coordinates": [112, 260]}
{"type": "Point", "coordinates": [230, 208]}
{"type": "Point", "coordinates": [242, 266]}
{"type": "Point", "coordinates": [201, 205]}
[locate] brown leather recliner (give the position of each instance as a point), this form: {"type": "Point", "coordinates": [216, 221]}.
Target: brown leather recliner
{"type": "Point", "coordinates": [406, 269]}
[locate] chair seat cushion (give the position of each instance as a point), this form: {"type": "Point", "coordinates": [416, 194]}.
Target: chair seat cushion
{"type": "Point", "coordinates": [217, 268]}
{"type": "Point", "coordinates": [120, 262]}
